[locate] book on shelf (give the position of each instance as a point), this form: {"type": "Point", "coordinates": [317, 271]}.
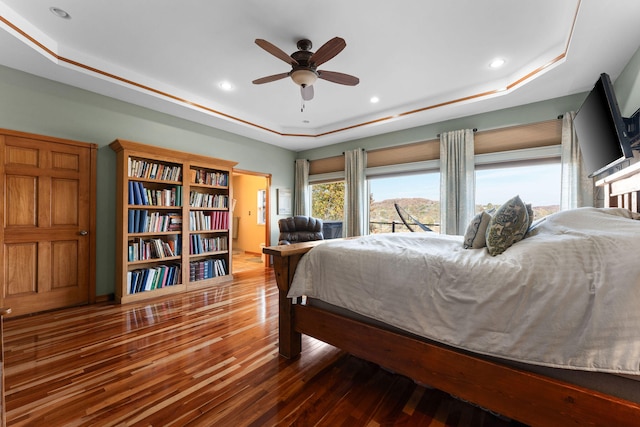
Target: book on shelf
{"type": "Point", "coordinates": [151, 272]}
{"type": "Point", "coordinates": [143, 193]}
{"type": "Point", "coordinates": [205, 221]}
{"type": "Point", "coordinates": [143, 250]}
{"type": "Point", "coordinates": [140, 168]}
{"type": "Point", "coordinates": [148, 279]}
{"type": "Point", "coordinates": [203, 244]}
{"type": "Point", "coordinates": [164, 197]}
{"type": "Point", "coordinates": [140, 195]}
{"type": "Point", "coordinates": [131, 222]}
{"type": "Point", "coordinates": [134, 187]}
{"type": "Point", "coordinates": [131, 198]}
{"type": "Point", "coordinates": [207, 269]}
{"type": "Point", "coordinates": [203, 176]}
{"type": "Point", "coordinates": [175, 243]}
{"type": "Point", "coordinates": [175, 222]}
{"type": "Point", "coordinates": [198, 199]}
{"type": "Point", "coordinates": [144, 221]}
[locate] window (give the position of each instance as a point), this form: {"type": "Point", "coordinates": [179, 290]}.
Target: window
{"type": "Point", "coordinates": [523, 160]}
{"type": "Point", "coordinates": [327, 203]}
{"type": "Point", "coordinates": [417, 195]}
{"type": "Point", "coordinates": [538, 184]}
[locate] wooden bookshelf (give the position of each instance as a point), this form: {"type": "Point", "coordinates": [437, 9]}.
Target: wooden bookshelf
{"type": "Point", "coordinates": [173, 221]}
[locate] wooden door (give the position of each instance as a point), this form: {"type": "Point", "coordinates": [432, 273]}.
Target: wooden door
{"type": "Point", "coordinates": [48, 245]}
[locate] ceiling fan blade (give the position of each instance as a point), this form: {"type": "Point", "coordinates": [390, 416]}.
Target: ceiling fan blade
{"type": "Point", "coordinates": [276, 51]}
{"type": "Point", "coordinates": [340, 78]}
{"type": "Point", "coordinates": [328, 51]}
{"type": "Point", "coordinates": [272, 78]}
{"type": "Point", "coordinates": [307, 92]}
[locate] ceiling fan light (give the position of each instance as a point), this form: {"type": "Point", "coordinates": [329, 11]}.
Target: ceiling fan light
{"type": "Point", "coordinates": [304, 77]}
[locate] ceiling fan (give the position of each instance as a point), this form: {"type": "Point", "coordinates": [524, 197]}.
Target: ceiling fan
{"type": "Point", "coordinates": [304, 64]}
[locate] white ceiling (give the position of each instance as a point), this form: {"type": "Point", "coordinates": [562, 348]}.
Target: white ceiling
{"type": "Point", "coordinates": [427, 61]}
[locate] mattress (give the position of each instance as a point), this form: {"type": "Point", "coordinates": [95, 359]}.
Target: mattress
{"type": "Point", "coordinates": [565, 297]}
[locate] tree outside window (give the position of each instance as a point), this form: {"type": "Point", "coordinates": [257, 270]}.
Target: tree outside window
{"type": "Point", "coordinates": [327, 203]}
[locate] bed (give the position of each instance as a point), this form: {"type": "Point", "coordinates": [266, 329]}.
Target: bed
{"type": "Point", "coordinates": [593, 389]}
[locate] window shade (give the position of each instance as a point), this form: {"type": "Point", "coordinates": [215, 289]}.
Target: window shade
{"type": "Point", "coordinates": [519, 137]}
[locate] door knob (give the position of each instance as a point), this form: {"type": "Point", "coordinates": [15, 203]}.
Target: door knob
{"type": "Point", "coordinates": [83, 232]}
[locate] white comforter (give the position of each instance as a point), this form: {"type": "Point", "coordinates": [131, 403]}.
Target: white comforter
{"type": "Point", "coordinates": [568, 296]}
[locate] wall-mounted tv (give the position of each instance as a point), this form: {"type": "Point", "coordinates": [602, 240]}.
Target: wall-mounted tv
{"type": "Point", "coordinates": [602, 131]}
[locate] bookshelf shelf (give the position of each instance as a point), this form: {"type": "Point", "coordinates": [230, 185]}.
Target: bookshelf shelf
{"type": "Point", "coordinates": [173, 229]}
{"type": "Point", "coordinates": [205, 254]}
{"type": "Point", "coordinates": [220, 187]}
{"type": "Point", "coordinates": [151, 261]}
{"type": "Point", "coordinates": [152, 207]}
{"type": "Point", "coordinates": [154, 233]}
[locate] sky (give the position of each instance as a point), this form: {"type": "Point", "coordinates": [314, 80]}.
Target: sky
{"type": "Point", "coordinates": [538, 185]}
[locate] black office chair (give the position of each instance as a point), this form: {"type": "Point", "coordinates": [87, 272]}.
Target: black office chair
{"type": "Point", "coordinates": [299, 229]}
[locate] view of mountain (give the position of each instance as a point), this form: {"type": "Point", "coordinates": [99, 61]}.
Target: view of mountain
{"type": "Point", "coordinates": [382, 214]}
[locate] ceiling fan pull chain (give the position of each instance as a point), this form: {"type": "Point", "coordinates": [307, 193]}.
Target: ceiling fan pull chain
{"type": "Point", "coordinates": [301, 105]}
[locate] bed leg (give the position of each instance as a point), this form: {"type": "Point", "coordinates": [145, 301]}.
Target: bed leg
{"type": "Point", "coordinates": [290, 341]}
{"type": "Point", "coordinates": [285, 262]}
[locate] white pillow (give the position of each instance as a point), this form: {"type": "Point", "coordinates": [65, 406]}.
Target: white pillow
{"type": "Point", "coordinates": [475, 236]}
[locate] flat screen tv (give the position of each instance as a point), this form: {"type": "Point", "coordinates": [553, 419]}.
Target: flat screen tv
{"type": "Point", "coordinates": [601, 129]}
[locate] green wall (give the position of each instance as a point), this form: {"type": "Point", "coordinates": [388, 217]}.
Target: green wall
{"type": "Point", "coordinates": [36, 105]}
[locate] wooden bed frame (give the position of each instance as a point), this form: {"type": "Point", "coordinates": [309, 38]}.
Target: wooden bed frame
{"type": "Point", "coordinates": [530, 398]}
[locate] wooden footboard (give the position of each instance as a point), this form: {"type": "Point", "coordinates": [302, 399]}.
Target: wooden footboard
{"type": "Point", "coordinates": [530, 398]}
{"type": "Point", "coordinates": [527, 397]}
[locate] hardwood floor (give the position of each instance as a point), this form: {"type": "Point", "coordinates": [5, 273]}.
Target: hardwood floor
{"type": "Point", "coordinates": [206, 358]}
{"type": "Point", "coordinates": [245, 261]}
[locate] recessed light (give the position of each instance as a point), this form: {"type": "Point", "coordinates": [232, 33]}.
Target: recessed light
{"type": "Point", "coordinates": [59, 12]}
{"type": "Point", "coordinates": [497, 63]}
{"type": "Point", "coordinates": [225, 86]}
{"type": "Point", "coordinates": [374, 100]}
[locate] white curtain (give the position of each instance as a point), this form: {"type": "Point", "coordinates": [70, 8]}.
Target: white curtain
{"type": "Point", "coordinates": [576, 187]}
{"type": "Point", "coordinates": [457, 181]}
{"type": "Point", "coordinates": [301, 189]}
{"type": "Point", "coordinates": [356, 199]}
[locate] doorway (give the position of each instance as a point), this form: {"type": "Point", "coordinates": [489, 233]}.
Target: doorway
{"type": "Point", "coordinates": [251, 230]}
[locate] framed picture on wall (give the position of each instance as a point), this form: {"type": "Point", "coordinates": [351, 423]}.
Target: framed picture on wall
{"type": "Point", "coordinates": [284, 201]}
